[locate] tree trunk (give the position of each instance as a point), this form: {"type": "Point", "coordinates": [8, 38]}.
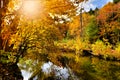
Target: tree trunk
{"type": "Point", "coordinates": [0, 25]}
{"type": "Point", "coordinates": [3, 10]}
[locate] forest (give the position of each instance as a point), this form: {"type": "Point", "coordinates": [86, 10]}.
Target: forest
{"type": "Point", "coordinates": [59, 33]}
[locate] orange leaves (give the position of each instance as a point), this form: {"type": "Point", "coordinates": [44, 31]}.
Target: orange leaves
{"type": "Point", "coordinates": [104, 13]}
{"type": "Point", "coordinates": [74, 26]}
{"type": "Point", "coordinates": [108, 13]}
{"type": "Point", "coordinates": [109, 21]}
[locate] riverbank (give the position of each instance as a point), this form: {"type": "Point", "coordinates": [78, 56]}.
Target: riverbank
{"type": "Point", "coordinates": [83, 48]}
{"type": "Point", "coordinates": [10, 72]}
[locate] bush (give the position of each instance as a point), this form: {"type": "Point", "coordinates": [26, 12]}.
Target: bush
{"type": "Point", "coordinates": [80, 45]}
{"type": "Point", "coordinates": [99, 48]}
{"type": "Point", "coordinates": [117, 51]}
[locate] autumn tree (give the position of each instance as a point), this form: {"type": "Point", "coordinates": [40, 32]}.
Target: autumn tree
{"type": "Point", "coordinates": [33, 36]}
{"type": "Point", "coordinates": [74, 27]}
{"type": "Point", "coordinates": [9, 19]}
{"type": "Point", "coordinates": [108, 21]}
{"type": "Point", "coordinates": [12, 14]}
{"type": "Point", "coordinates": [9, 22]}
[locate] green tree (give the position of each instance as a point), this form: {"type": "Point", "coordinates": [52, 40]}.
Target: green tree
{"type": "Point", "coordinates": [91, 12]}
{"type": "Point", "coordinates": [91, 30]}
{"type": "Point", "coordinates": [116, 1]}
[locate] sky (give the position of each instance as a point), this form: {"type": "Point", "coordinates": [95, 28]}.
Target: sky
{"type": "Point", "coordinates": [95, 3]}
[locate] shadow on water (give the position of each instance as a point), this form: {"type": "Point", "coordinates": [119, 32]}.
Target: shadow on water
{"type": "Point", "coordinates": [86, 69]}
{"type": "Point", "coordinates": [97, 69]}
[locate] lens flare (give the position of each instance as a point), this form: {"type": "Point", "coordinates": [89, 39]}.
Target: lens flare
{"type": "Point", "coordinates": [30, 7]}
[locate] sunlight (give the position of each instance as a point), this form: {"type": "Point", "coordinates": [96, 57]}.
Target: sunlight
{"type": "Point", "coordinates": [30, 7]}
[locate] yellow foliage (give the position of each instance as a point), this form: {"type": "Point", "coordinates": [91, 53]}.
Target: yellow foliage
{"type": "Point", "coordinates": [118, 48]}
{"type": "Point", "coordinates": [77, 59]}
{"type": "Point", "coordinates": [99, 48]}
{"type": "Point", "coordinates": [80, 45]}
{"type": "Point", "coordinates": [74, 25]}
{"type": "Point", "coordinates": [117, 51]}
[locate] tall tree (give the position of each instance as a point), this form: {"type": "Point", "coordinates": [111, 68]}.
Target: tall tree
{"type": "Point", "coordinates": [108, 21]}
{"type": "Point", "coordinates": [8, 22]}
{"type": "Point", "coordinates": [116, 1]}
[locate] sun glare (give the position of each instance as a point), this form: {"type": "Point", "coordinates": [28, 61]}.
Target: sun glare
{"type": "Point", "coordinates": [30, 7]}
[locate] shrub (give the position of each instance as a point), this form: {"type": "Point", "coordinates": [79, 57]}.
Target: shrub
{"type": "Point", "coordinates": [99, 48]}
{"type": "Point", "coordinates": [117, 51]}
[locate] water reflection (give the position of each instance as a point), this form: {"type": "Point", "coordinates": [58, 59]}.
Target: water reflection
{"type": "Point", "coordinates": [85, 69]}
{"type": "Point", "coordinates": [60, 72]}
{"type": "Point", "coordinates": [26, 74]}
{"type": "Point", "coordinates": [47, 68]}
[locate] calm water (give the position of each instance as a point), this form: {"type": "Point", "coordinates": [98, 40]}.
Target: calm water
{"type": "Point", "coordinates": [85, 69]}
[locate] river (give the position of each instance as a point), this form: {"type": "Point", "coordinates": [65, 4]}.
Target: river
{"type": "Point", "coordinates": [87, 68]}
